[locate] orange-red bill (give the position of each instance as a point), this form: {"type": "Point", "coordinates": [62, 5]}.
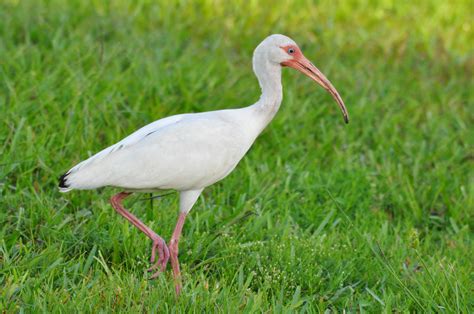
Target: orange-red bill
{"type": "Point", "coordinates": [303, 65]}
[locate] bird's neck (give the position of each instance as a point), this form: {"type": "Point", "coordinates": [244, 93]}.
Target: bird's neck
{"type": "Point", "coordinates": [269, 78]}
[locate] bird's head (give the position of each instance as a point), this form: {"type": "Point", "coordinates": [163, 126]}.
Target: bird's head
{"type": "Point", "coordinates": [282, 50]}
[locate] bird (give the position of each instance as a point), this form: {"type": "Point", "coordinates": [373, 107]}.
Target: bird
{"type": "Point", "coordinates": [189, 152]}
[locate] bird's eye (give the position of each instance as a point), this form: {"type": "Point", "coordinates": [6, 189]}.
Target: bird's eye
{"type": "Point", "coordinates": [291, 51]}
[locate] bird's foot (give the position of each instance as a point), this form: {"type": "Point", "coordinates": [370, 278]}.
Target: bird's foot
{"type": "Point", "coordinates": [163, 256]}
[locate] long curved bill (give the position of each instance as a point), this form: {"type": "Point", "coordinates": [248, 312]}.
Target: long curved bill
{"type": "Point", "coordinates": [306, 67]}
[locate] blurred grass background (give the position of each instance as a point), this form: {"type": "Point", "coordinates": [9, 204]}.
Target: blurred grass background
{"type": "Point", "coordinates": [373, 216]}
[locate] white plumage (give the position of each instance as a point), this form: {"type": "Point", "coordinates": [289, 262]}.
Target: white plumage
{"type": "Point", "coordinates": [189, 152]}
{"type": "Point", "coordinates": [172, 153]}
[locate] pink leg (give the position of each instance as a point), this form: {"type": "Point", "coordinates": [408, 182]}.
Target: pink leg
{"type": "Point", "coordinates": [173, 247]}
{"type": "Point", "coordinates": [158, 243]}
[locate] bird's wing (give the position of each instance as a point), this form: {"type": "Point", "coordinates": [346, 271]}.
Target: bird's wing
{"type": "Point", "coordinates": [130, 140]}
{"type": "Point", "coordinates": [183, 152]}
{"type": "Point", "coordinates": [191, 153]}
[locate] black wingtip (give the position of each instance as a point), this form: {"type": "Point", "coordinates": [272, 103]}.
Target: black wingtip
{"type": "Point", "coordinates": [62, 181]}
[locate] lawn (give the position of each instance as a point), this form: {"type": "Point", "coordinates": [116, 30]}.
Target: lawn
{"type": "Point", "coordinates": [376, 215]}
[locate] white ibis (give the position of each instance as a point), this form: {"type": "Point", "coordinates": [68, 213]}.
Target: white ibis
{"type": "Point", "coordinates": [189, 152]}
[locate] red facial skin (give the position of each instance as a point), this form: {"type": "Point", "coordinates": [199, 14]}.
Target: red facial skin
{"type": "Point", "coordinates": [300, 63]}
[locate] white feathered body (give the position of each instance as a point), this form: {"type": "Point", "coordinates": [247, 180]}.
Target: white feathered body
{"type": "Point", "coordinates": [181, 152]}
{"type": "Point", "coordinates": [187, 152]}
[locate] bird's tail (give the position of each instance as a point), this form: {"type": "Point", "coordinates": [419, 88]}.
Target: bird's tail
{"type": "Point", "coordinates": [83, 176]}
{"type": "Point", "coordinates": [63, 185]}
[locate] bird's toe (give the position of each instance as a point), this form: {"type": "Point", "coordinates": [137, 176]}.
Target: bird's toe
{"type": "Point", "coordinates": [159, 248]}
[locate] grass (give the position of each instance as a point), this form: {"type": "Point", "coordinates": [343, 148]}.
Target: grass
{"type": "Point", "coordinates": [373, 216]}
